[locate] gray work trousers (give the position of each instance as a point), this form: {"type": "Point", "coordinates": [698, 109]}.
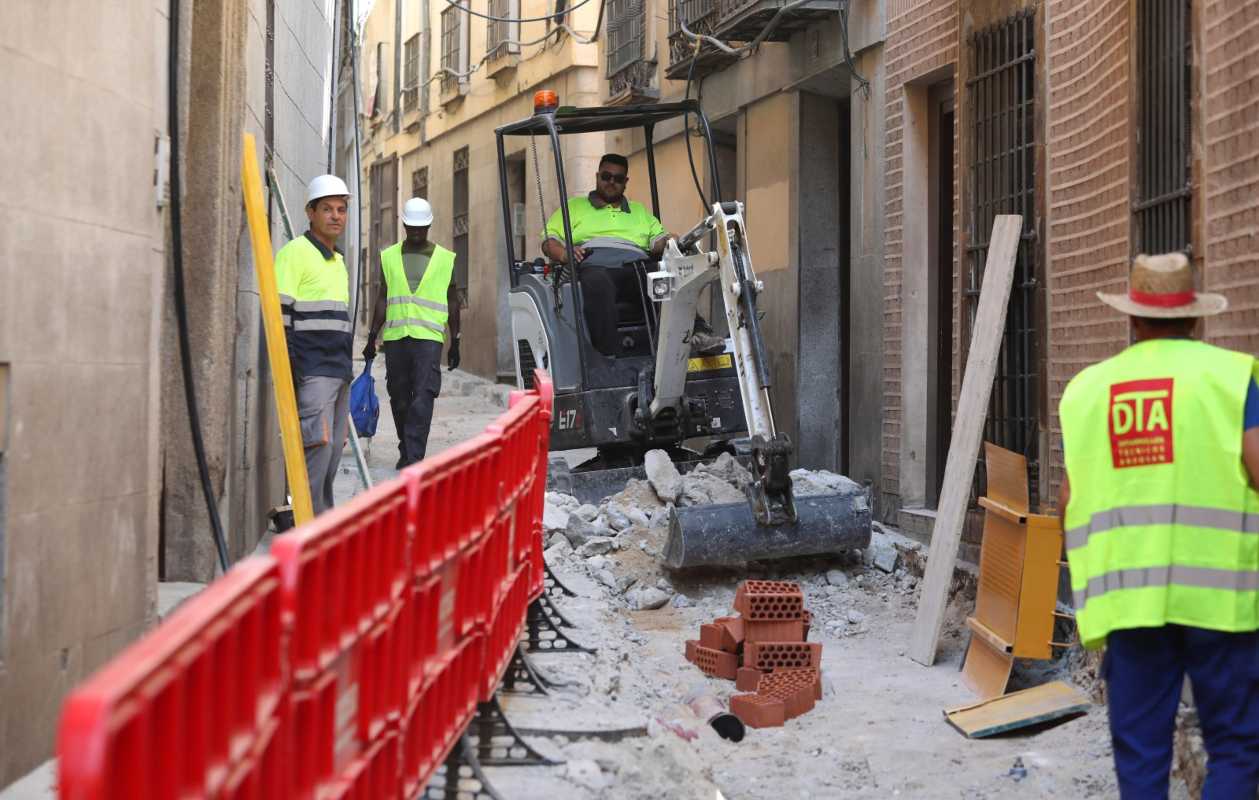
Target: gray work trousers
{"type": "Point", "coordinates": [323, 405]}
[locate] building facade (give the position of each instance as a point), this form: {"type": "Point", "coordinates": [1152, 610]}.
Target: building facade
{"type": "Point", "coordinates": [1114, 128]}
{"type": "Point", "coordinates": [99, 494]}
{"type": "Point", "coordinates": [436, 82]}
{"type": "Point", "coordinates": [797, 126]}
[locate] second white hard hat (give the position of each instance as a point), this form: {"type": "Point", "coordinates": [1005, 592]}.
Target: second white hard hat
{"type": "Point", "coordinates": [417, 213]}
{"type": "Point", "coordinates": [326, 186]}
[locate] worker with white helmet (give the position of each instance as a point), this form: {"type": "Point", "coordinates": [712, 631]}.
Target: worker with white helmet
{"type": "Point", "coordinates": [419, 302]}
{"type": "Point", "coordinates": [314, 291]}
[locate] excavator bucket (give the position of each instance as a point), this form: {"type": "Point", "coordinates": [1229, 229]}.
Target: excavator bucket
{"type": "Point", "coordinates": [729, 535]}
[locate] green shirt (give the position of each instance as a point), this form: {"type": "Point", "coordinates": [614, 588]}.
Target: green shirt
{"type": "Point", "coordinates": [414, 262]}
{"type": "Point", "coordinates": [598, 224]}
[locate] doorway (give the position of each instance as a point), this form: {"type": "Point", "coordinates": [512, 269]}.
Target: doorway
{"type": "Point", "coordinates": [940, 285]}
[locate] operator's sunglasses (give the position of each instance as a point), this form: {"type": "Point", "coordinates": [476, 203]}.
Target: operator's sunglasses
{"type": "Point", "coordinates": [612, 177]}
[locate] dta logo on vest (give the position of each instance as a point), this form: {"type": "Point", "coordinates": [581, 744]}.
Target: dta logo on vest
{"type": "Point", "coordinates": [1141, 423]}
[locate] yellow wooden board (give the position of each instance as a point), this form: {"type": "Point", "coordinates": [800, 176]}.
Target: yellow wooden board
{"type": "Point", "coordinates": [1007, 477]}
{"type": "Point", "coordinates": [273, 327]}
{"type": "Point", "coordinates": [1017, 710]}
{"type": "Point", "coordinates": [987, 668]}
{"type": "Point", "coordinates": [709, 363]}
{"type": "Point", "coordinates": [1039, 594]}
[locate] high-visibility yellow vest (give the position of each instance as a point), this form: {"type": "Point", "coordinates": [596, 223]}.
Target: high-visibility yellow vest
{"type": "Point", "coordinates": [422, 313]}
{"type": "Point", "coordinates": [1162, 525]}
{"type": "Point", "coordinates": [314, 289]}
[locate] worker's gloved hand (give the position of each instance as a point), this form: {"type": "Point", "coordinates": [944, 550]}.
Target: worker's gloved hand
{"type": "Point", "coordinates": [452, 355]}
{"type": "Point", "coordinates": [369, 349]}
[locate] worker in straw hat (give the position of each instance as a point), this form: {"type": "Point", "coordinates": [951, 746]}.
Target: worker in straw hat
{"type": "Point", "coordinates": [1161, 444]}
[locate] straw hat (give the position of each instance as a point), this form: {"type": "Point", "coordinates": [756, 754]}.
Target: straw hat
{"type": "Point", "coordinates": [1162, 287]}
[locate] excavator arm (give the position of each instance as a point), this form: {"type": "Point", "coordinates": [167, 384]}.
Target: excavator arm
{"type": "Point", "coordinates": [684, 272]}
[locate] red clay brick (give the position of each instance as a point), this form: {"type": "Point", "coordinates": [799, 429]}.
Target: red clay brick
{"type": "Point", "coordinates": [782, 655]}
{"type": "Point", "coordinates": [789, 631]}
{"type": "Point", "coordinates": [691, 646]}
{"type": "Point", "coordinates": [769, 601]}
{"type": "Point", "coordinates": [710, 636]}
{"type": "Point", "coordinates": [747, 679]}
{"type": "Point", "coordinates": [757, 711]}
{"type": "Point", "coordinates": [799, 689]}
{"type": "Point", "coordinates": [732, 633]}
{"type": "Point", "coordinates": [716, 663]}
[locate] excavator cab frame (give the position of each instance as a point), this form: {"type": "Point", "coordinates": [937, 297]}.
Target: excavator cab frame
{"type": "Point", "coordinates": [597, 397]}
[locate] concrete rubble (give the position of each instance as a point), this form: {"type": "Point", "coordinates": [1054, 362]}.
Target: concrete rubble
{"type": "Point", "coordinates": [876, 730]}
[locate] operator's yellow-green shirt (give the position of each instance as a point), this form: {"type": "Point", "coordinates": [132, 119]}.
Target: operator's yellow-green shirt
{"type": "Point", "coordinates": [598, 224]}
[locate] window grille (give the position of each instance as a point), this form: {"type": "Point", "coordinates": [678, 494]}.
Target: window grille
{"type": "Point", "coordinates": [1162, 207]}
{"type": "Point", "coordinates": [411, 73]}
{"type": "Point", "coordinates": [452, 48]}
{"type": "Point", "coordinates": [626, 34]}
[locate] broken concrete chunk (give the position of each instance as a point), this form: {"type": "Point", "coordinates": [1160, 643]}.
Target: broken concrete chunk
{"type": "Point", "coordinates": [663, 475]}
{"type": "Point", "coordinates": [561, 500]}
{"type": "Point", "coordinates": [587, 512]}
{"type": "Point", "coordinates": [596, 563]}
{"type": "Point", "coordinates": [554, 518]}
{"type": "Point", "coordinates": [606, 577]}
{"type": "Point", "coordinates": [595, 546]}
{"type": "Point", "coordinates": [700, 489]}
{"type": "Point", "coordinates": [855, 617]}
{"type": "Point", "coordinates": [624, 582]}
{"type": "Point", "coordinates": [617, 519]}
{"type": "Point", "coordinates": [637, 517]}
{"type": "Point", "coordinates": [586, 774]}
{"type": "Point", "coordinates": [836, 577]}
{"type": "Point", "coordinates": [682, 601]}
{"type": "Point", "coordinates": [805, 482]}
{"type": "Point", "coordinates": [578, 531]}
{"type": "Point", "coordinates": [882, 553]}
{"type": "Point", "coordinates": [648, 598]}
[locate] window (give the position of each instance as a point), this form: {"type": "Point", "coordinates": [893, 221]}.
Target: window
{"type": "Point", "coordinates": [1164, 44]}
{"type": "Point", "coordinates": [378, 78]}
{"type": "Point", "coordinates": [419, 183]}
{"type": "Point", "coordinates": [459, 221]}
{"type": "Point", "coordinates": [500, 35]}
{"type": "Point", "coordinates": [411, 73]}
{"type": "Point", "coordinates": [454, 54]}
{"type": "Point", "coordinates": [1003, 181]}
{"type": "Point", "coordinates": [627, 31]}
{"type": "Point", "coordinates": [384, 221]}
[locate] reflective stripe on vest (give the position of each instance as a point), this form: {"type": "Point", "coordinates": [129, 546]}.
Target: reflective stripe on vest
{"type": "Point", "coordinates": [419, 312]}
{"type": "Point", "coordinates": [1162, 522]}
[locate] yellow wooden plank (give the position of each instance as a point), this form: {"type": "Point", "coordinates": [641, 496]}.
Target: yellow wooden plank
{"type": "Point", "coordinates": [1007, 477]}
{"type": "Point", "coordinates": [983, 631]}
{"type": "Point", "coordinates": [1000, 575]}
{"type": "Point", "coordinates": [1039, 594]}
{"type": "Point", "coordinates": [273, 326]}
{"type": "Point", "coordinates": [1002, 510]}
{"type": "Point", "coordinates": [987, 669]}
{"type": "Point", "coordinates": [1018, 709]}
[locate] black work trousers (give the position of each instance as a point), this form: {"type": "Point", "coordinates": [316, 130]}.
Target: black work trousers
{"type": "Point", "coordinates": [413, 378]}
{"type": "Point", "coordinates": [599, 289]}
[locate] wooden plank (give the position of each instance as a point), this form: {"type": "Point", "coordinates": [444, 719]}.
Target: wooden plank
{"type": "Point", "coordinates": [986, 671]}
{"type": "Point", "coordinates": [273, 328]}
{"type": "Point", "coordinates": [959, 470]}
{"type": "Point", "coordinates": [1000, 575]}
{"type": "Point", "coordinates": [1007, 477]}
{"type": "Point", "coordinates": [1005, 512]}
{"type": "Point", "coordinates": [1018, 710]}
{"type": "Point", "coordinates": [1038, 596]}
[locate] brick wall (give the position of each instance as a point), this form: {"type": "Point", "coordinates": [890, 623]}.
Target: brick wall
{"type": "Point", "coordinates": [1229, 176]}
{"type": "Point", "coordinates": [921, 39]}
{"type": "Point", "coordinates": [1089, 217]}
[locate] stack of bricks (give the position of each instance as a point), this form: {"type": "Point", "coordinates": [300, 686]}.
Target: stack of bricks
{"type": "Point", "coordinates": [765, 651]}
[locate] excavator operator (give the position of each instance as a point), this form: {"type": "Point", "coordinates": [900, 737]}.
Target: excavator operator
{"type": "Point", "coordinates": [610, 234]}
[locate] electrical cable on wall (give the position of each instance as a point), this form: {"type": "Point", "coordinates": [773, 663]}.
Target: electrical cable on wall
{"type": "Point", "coordinates": [553, 16]}
{"type": "Point", "coordinates": [181, 300]}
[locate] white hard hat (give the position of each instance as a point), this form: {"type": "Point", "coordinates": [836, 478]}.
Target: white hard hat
{"type": "Point", "coordinates": [326, 186]}
{"type": "Point", "coordinates": [417, 213]}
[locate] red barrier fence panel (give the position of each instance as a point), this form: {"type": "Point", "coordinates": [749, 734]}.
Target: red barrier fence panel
{"type": "Point", "coordinates": [455, 500]}
{"type": "Point", "coordinates": [505, 631]}
{"type": "Point", "coordinates": [376, 775]}
{"type": "Point", "coordinates": [176, 712]}
{"type": "Point", "coordinates": [439, 713]}
{"type": "Point", "coordinates": [535, 496]}
{"type": "Point", "coordinates": [267, 770]}
{"type": "Point", "coordinates": [343, 571]}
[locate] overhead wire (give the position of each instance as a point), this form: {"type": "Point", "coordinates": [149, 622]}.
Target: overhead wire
{"type": "Point", "coordinates": [494, 18]}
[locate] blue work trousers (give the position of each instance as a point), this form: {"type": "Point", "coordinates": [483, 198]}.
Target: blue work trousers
{"type": "Point", "coordinates": [1144, 670]}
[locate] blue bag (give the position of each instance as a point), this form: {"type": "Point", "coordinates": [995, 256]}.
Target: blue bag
{"type": "Point", "coordinates": [364, 407]}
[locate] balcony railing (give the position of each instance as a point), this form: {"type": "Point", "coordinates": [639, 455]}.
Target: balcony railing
{"type": "Point", "coordinates": [733, 21]}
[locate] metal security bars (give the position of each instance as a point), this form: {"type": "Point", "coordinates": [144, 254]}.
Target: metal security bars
{"type": "Point", "coordinates": [501, 34]}
{"type": "Point", "coordinates": [1003, 181]}
{"type": "Point", "coordinates": [419, 183]}
{"type": "Point", "coordinates": [459, 218]}
{"type": "Point", "coordinates": [627, 30]}
{"type": "Point", "coordinates": [452, 47]}
{"type": "Point", "coordinates": [411, 73]}
{"type": "Point", "coordinates": [1161, 210]}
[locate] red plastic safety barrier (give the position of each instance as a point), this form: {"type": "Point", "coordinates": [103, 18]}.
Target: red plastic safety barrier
{"type": "Point", "coordinates": [189, 704]}
{"type": "Point", "coordinates": [348, 662]}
